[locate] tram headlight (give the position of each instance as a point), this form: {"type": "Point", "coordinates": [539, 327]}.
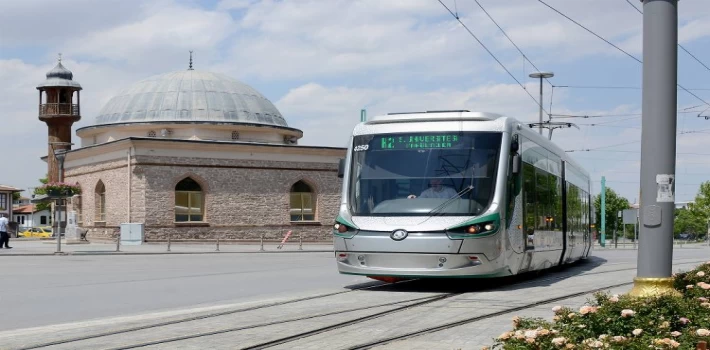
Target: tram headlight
{"type": "Point", "coordinates": [341, 228]}
{"type": "Point", "coordinates": [480, 228]}
{"type": "Point", "coordinates": [473, 229]}
{"type": "Point", "coordinates": [487, 225]}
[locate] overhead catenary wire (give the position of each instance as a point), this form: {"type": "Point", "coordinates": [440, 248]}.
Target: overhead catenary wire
{"type": "Point", "coordinates": [612, 121]}
{"type": "Point", "coordinates": [563, 116]}
{"type": "Point", "coordinates": [679, 45]}
{"type": "Point", "coordinates": [632, 142]}
{"type": "Point", "coordinates": [539, 103]}
{"type": "Point", "coordinates": [620, 151]}
{"type": "Point", "coordinates": [610, 43]}
{"type": "Point", "coordinates": [617, 87]}
{"type": "Point", "coordinates": [525, 57]}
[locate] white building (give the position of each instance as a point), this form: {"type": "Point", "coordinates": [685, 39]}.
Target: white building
{"type": "Point", "coordinates": [28, 216]}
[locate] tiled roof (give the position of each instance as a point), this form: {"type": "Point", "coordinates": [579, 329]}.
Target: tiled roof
{"type": "Point", "coordinates": [9, 188]}
{"type": "Point", "coordinates": [24, 209]}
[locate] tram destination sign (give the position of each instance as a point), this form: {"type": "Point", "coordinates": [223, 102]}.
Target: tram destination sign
{"type": "Point", "coordinates": [419, 141]}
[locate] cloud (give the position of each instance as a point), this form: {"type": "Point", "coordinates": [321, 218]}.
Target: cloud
{"type": "Point", "coordinates": [39, 22]}
{"type": "Point", "coordinates": [226, 5]}
{"type": "Point", "coordinates": [322, 61]}
{"type": "Point", "coordinates": [164, 32]}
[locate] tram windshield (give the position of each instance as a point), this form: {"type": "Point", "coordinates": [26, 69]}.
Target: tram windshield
{"type": "Point", "coordinates": [437, 173]}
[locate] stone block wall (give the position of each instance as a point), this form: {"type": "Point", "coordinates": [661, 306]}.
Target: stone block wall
{"type": "Point", "coordinates": [114, 175]}
{"type": "Point", "coordinates": [243, 199]}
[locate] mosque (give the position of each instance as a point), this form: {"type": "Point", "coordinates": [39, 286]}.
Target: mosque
{"type": "Point", "coordinates": [190, 154]}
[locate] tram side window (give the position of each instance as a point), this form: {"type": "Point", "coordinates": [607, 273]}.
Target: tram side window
{"type": "Point", "coordinates": [574, 208]}
{"type": "Point", "coordinates": [584, 218]}
{"type": "Point", "coordinates": [556, 201]}
{"type": "Point", "coordinates": [529, 197]}
{"type": "Point", "coordinates": [542, 204]}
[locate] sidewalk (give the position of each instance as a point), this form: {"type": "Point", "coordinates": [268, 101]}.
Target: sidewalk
{"type": "Point", "coordinates": [634, 246]}
{"type": "Point", "coordinates": [49, 247]}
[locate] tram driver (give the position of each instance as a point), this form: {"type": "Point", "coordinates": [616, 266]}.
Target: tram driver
{"type": "Point", "coordinates": [436, 190]}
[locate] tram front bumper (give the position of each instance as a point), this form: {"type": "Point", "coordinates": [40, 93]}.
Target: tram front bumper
{"type": "Point", "coordinates": [416, 265]}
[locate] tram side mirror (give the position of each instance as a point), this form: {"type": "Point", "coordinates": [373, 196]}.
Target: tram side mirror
{"type": "Point", "coordinates": [516, 164]}
{"type": "Point", "coordinates": [514, 146]}
{"type": "Point", "coordinates": [341, 168]}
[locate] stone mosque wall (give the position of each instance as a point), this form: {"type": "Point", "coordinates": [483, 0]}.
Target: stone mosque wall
{"type": "Point", "coordinates": [243, 199]}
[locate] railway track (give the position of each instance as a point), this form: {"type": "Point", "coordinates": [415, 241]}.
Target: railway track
{"type": "Point", "coordinates": [389, 309]}
{"type": "Point", "coordinates": [371, 285]}
{"type": "Point", "coordinates": [449, 325]}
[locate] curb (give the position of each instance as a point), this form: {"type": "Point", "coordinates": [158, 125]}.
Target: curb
{"type": "Point", "coordinates": [165, 253]}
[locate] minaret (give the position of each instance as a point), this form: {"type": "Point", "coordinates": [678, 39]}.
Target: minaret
{"type": "Point", "coordinates": [59, 109]}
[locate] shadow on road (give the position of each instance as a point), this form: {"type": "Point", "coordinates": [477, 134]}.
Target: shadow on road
{"type": "Point", "coordinates": [466, 285]}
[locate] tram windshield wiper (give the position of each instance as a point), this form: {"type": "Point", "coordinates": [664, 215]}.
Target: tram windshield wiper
{"type": "Point", "coordinates": [449, 201]}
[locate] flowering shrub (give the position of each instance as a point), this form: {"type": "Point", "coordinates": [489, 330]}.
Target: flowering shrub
{"type": "Point", "coordinates": [623, 322]}
{"type": "Point", "coordinates": [61, 188]}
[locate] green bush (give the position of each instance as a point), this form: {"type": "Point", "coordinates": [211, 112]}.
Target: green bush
{"type": "Point", "coordinates": [623, 322]}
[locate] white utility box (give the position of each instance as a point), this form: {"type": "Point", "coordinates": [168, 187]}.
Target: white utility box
{"type": "Point", "coordinates": [131, 234]}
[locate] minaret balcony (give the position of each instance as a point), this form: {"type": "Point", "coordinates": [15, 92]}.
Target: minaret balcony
{"type": "Point", "coordinates": [58, 109]}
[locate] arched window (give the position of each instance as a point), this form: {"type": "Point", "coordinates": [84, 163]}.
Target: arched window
{"type": "Point", "coordinates": [100, 202]}
{"type": "Point", "coordinates": [302, 202]}
{"type": "Point", "coordinates": [189, 204]}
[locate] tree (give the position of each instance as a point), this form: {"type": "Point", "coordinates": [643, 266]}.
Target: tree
{"type": "Point", "coordinates": [702, 200]}
{"type": "Point", "coordinates": [614, 204]}
{"type": "Point", "coordinates": [699, 211]}
{"type": "Point", "coordinates": [689, 221]}
{"type": "Point", "coordinates": [39, 190]}
{"type": "Point", "coordinates": [16, 196]}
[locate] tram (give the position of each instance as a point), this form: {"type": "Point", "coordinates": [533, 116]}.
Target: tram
{"type": "Point", "coordinates": [458, 194]}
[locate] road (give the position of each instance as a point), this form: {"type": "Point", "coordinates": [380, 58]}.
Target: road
{"type": "Point", "coordinates": [47, 290]}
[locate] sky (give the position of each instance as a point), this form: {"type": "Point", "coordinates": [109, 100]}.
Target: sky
{"type": "Point", "coordinates": [321, 62]}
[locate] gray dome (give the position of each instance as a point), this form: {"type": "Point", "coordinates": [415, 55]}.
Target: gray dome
{"type": "Point", "coordinates": [60, 72]}
{"type": "Point", "coordinates": [190, 96]}
{"type": "Point", "coordinates": [59, 76]}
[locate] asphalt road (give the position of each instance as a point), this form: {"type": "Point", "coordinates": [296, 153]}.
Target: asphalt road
{"type": "Point", "coordinates": [45, 290]}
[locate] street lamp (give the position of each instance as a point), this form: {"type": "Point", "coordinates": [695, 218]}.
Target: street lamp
{"type": "Point", "coordinates": [60, 154]}
{"type": "Point", "coordinates": [541, 75]}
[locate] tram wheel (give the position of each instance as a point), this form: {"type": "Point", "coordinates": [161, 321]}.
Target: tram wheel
{"type": "Point", "coordinates": [387, 279]}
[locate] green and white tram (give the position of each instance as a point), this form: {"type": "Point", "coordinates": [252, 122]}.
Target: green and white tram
{"type": "Point", "coordinates": [458, 194]}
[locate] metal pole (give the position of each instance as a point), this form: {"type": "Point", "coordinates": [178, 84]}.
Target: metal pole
{"type": "Point", "coordinates": [217, 243]}
{"type": "Point", "coordinates": [169, 235]}
{"type": "Point", "coordinates": [300, 242]}
{"type": "Point", "coordinates": [658, 147]}
{"type": "Point", "coordinates": [56, 224]}
{"type": "Point", "coordinates": [541, 107]}
{"type": "Point", "coordinates": [61, 207]}
{"type": "Point", "coordinates": [262, 243]}
{"type": "Point", "coordinates": [636, 232]}
{"type": "Point", "coordinates": [602, 240]}
{"type": "Point", "coordinates": [118, 242]}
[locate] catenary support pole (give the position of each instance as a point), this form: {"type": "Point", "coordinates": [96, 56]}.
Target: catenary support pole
{"type": "Point", "coordinates": [541, 109]}
{"type": "Point", "coordinates": [602, 239]}
{"type": "Point", "coordinates": [658, 148]}
{"type": "Point", "coordinates": [57, 224]}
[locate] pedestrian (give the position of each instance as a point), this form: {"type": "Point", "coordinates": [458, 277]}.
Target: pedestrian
{"type": "Point", "coordinates": [4, 236]}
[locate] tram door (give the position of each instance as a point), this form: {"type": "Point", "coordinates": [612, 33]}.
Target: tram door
{"type": "Point", "coordinates": [529, 215]}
